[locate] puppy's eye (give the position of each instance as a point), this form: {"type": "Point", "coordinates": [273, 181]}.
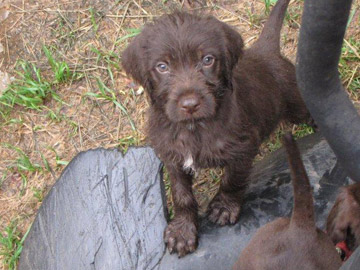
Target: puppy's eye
{"type": "Point", "coordinates": [162, 67]}
{"type": "Point", "coordinates": [208, 60]}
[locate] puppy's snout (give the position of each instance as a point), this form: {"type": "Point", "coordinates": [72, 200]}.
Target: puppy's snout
{"type": "Point", "coordinates": [190, 103]}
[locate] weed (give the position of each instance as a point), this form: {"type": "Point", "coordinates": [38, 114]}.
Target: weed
{"type": "Point", "coordinates": [64, 32]}
{"type": "Point", "coordinates": [166, 179]}
{"type": "Point", "coordinates": [54, 115]}
{"type": "Point", "coordinates": [59, 161]}
{"type": "Point", "coordinates": [349, 67]}
{"type": "Point", "coordinates": [21, 165]}
{"type": "Point", "coordinates": [46, 163]}
{"type": "Point", "coordinates": [110, 58]}
{"type": "Point", "coordinates": [302, 130]}
{"type": "Point", "coordinates": [268, 4]}
{"type": "Point", "coordinates": [38, 194]}
{"type": "Point", "coordinates": [275, 143]}
{"type": "Point", "coordinates": [254, 19]}
{"type": "Point", "coordinates": [11, 244]}
{"type": "Point", "coordinates": [351, 16]}
{"type": "Point", "coordinates": [73, 127]}
{"type": "Point", "coordinates": [215, 176]}
{"type": "Point", "coordinates": [126, 142]}
{"type": "Point", "coordinates": [93, 13]}
{"type": "Point", "coordinates": [109, 95]}
{"type": "Point", "coordinates": [7, 121]}
{"type": "Point", "coordinates": [29, 90]}
{"type": "Point", "coordinates": [298, 131]}
{"type": "Point", "coordinates": [23, 162]}
{"type": "Point", "coordinates": [61, 70]}
{"type": "Point", "coordinates": [3, 177]}
{"type": "Point", "coordinates": [293, 15]}
{"type": "Point", "coordinates": [132, 32]}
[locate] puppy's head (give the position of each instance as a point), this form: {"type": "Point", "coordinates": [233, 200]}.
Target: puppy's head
{"type": "Point", "coordinates": [185, 64]}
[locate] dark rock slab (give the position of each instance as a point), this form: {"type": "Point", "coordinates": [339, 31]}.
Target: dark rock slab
{"type": "Point", "coordinates": [269, 197]}
{"type": "Point", "coordinates": [105, 212]}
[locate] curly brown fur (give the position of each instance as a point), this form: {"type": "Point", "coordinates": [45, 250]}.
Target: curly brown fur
{"type": "Point", "coordinates": [295, 243]}
{"type": "Point", "coordinates": [212, 104]}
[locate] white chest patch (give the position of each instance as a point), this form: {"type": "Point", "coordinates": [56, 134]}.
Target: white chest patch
{"type": "Point", "coordinates": [189, 164]}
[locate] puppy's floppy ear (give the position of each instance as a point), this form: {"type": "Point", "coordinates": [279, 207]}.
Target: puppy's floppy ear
{"type": "Point", "coordinates": [233, 46]}
{"type": "Point", "coordinates": [134, 60]}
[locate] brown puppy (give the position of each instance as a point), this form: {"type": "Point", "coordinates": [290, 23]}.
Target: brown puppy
{"type": "Point", "coordinates": [295, 243]}
{"type": "Point", "coordinates": [212, 104]}
{"type": "Point", "coordinates": [343, 223]}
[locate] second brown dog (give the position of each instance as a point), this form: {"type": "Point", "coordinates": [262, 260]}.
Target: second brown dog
{"type": "Point", "coordinates": [295, 243]}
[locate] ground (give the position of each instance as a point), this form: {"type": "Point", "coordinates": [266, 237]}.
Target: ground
{"type": "Point", "coordinates": [63, 90]}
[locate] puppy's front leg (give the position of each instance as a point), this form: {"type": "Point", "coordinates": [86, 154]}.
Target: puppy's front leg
{"type": "Point", "coordinates": [225, 207]}
{"type": "Point", "coordinates": [181, 233]}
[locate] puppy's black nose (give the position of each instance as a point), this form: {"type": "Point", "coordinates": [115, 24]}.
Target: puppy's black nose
{"type": "Point", "coordinates": [190, 103]}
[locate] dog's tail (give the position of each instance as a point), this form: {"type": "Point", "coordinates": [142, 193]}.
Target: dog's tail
{"type": "Point", "coordinates": [269, 39]}
{"type": "Point", "coordinates": [303, 211]}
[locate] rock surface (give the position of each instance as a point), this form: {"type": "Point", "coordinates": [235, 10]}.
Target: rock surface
{"type": "Point", "coordinates": [107, 212]}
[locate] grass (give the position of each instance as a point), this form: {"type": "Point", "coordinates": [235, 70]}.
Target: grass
{"type": "Point", "coordinates": [302, 130]}
{"type": "Point", "coordinates": [109, 59]}
{"type": "Point", "coordinates": [126, 142]}
{"type": "Point", "coordinates": [29, 90]}
{"type": "Point", "coordinates": [268, 5]}
{"type": "Point", "coordinates": [23, 162]}
{"type": "Point", "coordinates": [64, 32]}
{"type": "Point", "coordinates": [107, 94]}
{"type": "Point", "coordinates": [166, 180]}
{"type": "Point", "coordinates": [254, 19]}
{"type": "Point", "coordinates": [3, 177]}
{"type": "Point", "coordinates": [132, 32]}
{"type": "Point", "coordinates": [38, 194]}
{"type": "Point", "coordinates": [61, 70]}
{"type": "Point", "coordinates": [214, 175]}
{"type": "Point", "coordinates": [58, 160]}
{"type": "Point", "coordinates": [22, 165]}
{"type": "Point", "coordinates": [275, 143]}
{"type": "Point", "coordinates": [298, 131]}
{"type": "Point", "coordinates": [93, 15]}
{"type": "Point", "coordinates": [350, 67]}
{"type": "Point", "coordinates": [11, 244]}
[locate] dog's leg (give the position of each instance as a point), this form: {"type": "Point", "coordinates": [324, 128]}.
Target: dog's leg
{"type": "Point", "coordinates": [181, 233]}
{"type": "Point", "coordinates": [344, 218]}
{"type": "Point", "coordinates": [225, 207]}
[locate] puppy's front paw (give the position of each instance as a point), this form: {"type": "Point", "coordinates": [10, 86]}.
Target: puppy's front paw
{"type": "Point", "coordinates": [224, 210]}
{"type": "Point", "coordinates": [343, 223]}
{"type": "Point", "coordinates": [181, 236]}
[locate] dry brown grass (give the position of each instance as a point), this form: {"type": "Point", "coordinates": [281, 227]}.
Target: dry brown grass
{"type": "Point", "coordinates": [72, 30]}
